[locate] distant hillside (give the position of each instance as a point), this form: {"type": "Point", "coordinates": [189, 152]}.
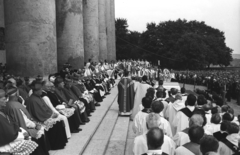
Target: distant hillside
{"type": "Point", "coordinates": [236, 56]}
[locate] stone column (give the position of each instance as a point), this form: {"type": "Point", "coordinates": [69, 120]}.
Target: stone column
{"type": "Point", "coordinates": [109, 29]}
{"type": "Point", "coordinates": [91, 30]}
{"type": "Point", "coordinates": [30, 37]}
{"type": "Point", "coordinates": [70, 46]}
{"type": "Point", "coordinates": [113, 53]}
{"type": "Point", "coordinates": [2, 32]}
{"type": "Point", "coordinates": [102, 30]}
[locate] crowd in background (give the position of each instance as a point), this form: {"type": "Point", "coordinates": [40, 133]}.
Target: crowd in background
{"type": "Point", "coordinates": [225, 82]}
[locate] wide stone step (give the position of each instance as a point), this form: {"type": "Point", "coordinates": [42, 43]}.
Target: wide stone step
{"type": "Point", "coordinates": [130, 140]}
{"type": "Point", "coordinates": [79, 141]}
{"type": "Point", "coordinates": [99, 141]}
{"type": "Point", "coordinates": [117, 142]}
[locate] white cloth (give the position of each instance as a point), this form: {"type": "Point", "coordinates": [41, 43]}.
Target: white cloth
{"type": "Point", "coordinates": [141, 91]}
{"type": "Point", "coordinates": [153, 152]}
{"type": "Point", "coordinates": [212, 128]}
{"type": "Point", "coordinates": [28, 122]}
{"type": "Point", "coordinates": [140, 145]}
{"type": "Point", "coordinates": [171, 113]}
{"type": "Point", "coordinates": [183, 151]}
{"type": "Point", "coordinates": [224, 149]}
{"type": "Point", "coordinates": [181, 138]}
{"type": "Point", "coordinates": [181, 121]}
{"type": "Point", "coordinates": [139, 123]}
{"type": "Point", "coordinates": [60, 116]}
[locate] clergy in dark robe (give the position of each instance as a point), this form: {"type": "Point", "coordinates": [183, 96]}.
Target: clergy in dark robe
{"type": "Point", "coordinates": [19, 114]}
{"type": "Point", "coordinates": [42, 113]}
{"type": "Point", "coordinates": [90, 107]}
{"type": "Point", "coordinates": [73, 120]}
{"type": "Point", "coordinates": [13, 139]}
{"type": "Point", "coordinates": [125, 95]}
{"type": "Point", "coordinates": [59, 86]}
{"type": "Point", "coordinates": [91, 88]}
{"type": "Point", "coordinates": [70, 95]}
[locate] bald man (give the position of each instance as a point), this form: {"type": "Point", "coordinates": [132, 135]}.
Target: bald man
{"type": "Point", "coordinates": [182, 137]}
{"type": "Point", "coordinates": [155, 137]}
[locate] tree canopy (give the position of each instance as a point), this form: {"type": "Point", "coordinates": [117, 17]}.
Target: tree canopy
{"type": "Point", "coordinates": [179, 44]}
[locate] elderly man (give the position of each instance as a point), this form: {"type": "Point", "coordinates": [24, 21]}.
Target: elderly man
{"type": "Point", "coordinates": [195, 134]}
{"type": "Point", "coordinates": [155, 137]}
{"type": "Point", "coordinates": [140, 142]}
{"type": "Point", "coordinates": [182, 137]}
{"type": "Point", "coordinates": [181, 121]}
{"type": "Point", "coordinates": [39, 110]}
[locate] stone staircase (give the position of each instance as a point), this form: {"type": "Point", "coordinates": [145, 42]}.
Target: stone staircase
{"type": "Point", "coordinates": [105, 134]}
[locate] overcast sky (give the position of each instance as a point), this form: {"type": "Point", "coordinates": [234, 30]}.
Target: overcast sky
{"type": "Point", "coordinates": [220, 14]}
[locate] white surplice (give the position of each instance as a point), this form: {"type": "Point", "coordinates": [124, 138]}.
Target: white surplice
{"type": "Point", "coordinates": [139, 123]}
{"type": "Point", "coordinates": [141, 91]}
{"type": "Point", "coordinates": [140, 145]}
{"type": "Point", "coordinates": [60, 116]}
{"type": "Point", "coordinates": [171, 113]}
{"type": "Point", "coordinates": [181, 121]}
{"type": "Point", "coordinates": [212, 128]}
{"type": "Point", "coordinates": [183, 151]}
{"type": "Point", "coordinates": [181, 138]}
{"type": "Point", "coordinates": [223, 149]}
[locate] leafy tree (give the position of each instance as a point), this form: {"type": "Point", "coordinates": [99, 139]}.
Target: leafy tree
{"type": "Point", "coordinates": [178, 44]}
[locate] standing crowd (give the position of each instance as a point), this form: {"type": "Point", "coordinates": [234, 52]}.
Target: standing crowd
{"type": "Point", "coordinates": [40, 114]}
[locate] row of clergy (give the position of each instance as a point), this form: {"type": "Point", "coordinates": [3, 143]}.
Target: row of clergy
{"type": "Point", "coordinates": [176, 113]}
{"type": "Point", "coordinates": [40, 116]}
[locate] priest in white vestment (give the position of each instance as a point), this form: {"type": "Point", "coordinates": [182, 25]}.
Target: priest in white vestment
{"type": "Point", "coordinates": [157, 107]}
{"type": "Point", "coordinates": [181, 121]}
{"type": "Point", "coordinates": [191, 148]}
{"type": "Point", "coordinates": [155, 137]}
{"type": "Point", "coordinates": [160, 97]}
{"type": "Point", "coordinates": [140, 142]}
{"type": "Point", "coordinates": [172, 110]}
{"type": "Point", "coordinates": [141, 91]}
{"type": "Point", "coordinates": [139, 122]}
{"type": "Point", "coordinates": [182, 137]}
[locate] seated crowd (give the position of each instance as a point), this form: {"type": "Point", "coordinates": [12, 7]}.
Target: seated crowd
{"type": "Point", "coordinates": [176, 123]}
{"type": "Point", "coordinates": [38, 115]}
